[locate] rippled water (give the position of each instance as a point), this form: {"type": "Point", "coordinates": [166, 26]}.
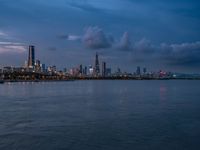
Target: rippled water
{"type": "Point", "coordinates": [100, 115]}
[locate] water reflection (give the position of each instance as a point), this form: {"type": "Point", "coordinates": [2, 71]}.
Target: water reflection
{"type": "Point", "coordinates": [163, 93]}
{"type": "Point", "coordinates": [92, 115]}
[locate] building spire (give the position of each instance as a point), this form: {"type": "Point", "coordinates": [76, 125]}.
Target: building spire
{"type": "Point", "coordinates": [31, 56]}
{"type": "Point", "coordinates": [97, 67]}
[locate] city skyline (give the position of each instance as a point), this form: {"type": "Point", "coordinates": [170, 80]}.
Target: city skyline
{"type": "Point", "coordinates": [154, 34]}
{"type": "Point", "coordinates": [35, 69]}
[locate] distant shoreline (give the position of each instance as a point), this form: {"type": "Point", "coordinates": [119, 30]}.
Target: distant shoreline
{"type": "Point", "coordinates": [96, 79]}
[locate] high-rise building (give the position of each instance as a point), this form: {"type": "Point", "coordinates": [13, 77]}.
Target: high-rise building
{"type": "Point", "coordinates": [31, 56]}
{"type": "Point", "coordinates": [43, 67]}
{"type": "Point", "coordinates": [103, 69]}
{"type": "Point", "coordinates": [91, 70]}
{"type": "Point", "coordinates": [65, 70]}
{"type": "Point", "coordinates": [81, 69]}
{"type": "Point", "coordinates": [144, 70]}
{"type": "Point", "coordinates": [85, 71]}
{"type": "Point", "coordinates": [38, 66]}
{"type": "Point", "coordinates": [37, 63]}
{"type": "Point", "coordinates": [108, 72]}
{"type": "Point", "coordinates": [138, 71]}
{"type": "Point", "coordinates": [97, 67]}
{"type": "Point", "coordinates": [118, 70]}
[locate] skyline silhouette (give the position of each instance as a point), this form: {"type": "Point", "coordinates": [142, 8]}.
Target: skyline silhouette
{"type": "Point", "coordinates": [155, 34]}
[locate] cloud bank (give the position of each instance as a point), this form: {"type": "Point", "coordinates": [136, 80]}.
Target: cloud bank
{"type": "Point", "coordinates": [10, 46]}
{"type": "Point", "coordinates": [142, 50]}
{"type": "Point", "coordinates": [95, 38]}
{"type": "Point", "coordinates": [14, 48]}
{"type": "Point", "coordinates": [124, 43]}
{"type": "Point", "coordinates": [181, 54]}
{"type": "Point", "coordinates": [184, 54]}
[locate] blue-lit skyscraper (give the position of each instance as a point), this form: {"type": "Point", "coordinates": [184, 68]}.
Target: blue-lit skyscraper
{"type": "Point", "coordinates": [103, 69]}
{"type": "Point", "coordinates": [97, 67]}
{"type": "Point", "coordinates": [138, 71]}
{"type": "Point", "coordinates": [31, 56]}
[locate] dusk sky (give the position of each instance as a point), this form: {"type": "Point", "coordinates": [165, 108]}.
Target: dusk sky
{"type": "Point", "coordinates": [157, 34]}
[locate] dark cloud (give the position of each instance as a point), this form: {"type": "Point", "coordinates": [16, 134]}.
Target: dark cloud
{"type": "Point", "coordinates": [181, 54]}
{"type": "Point", "coordinates": [185, 54]}
{"type": "Point", "coordinates": [95, 38]}
{"type": "Point", "coordinates": [144, 46]}
{"type": "Point", "coordinates": [143, 50]}
{"type": "Point", "coordinates": [125, 43]}
{"type": "Point", "coordinates": [12, 48]}
{"type": "Point", "coordinates": [8, 45]}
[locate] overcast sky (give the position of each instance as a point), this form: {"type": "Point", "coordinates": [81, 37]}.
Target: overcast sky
{"type": "Point", "coordinates": [157, 34]}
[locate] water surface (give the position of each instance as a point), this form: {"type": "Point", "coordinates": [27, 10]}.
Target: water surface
{"type": "Point", "coordinates": [100, 115]}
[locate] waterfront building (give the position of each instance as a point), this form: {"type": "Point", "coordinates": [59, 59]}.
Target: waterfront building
{"type": "Point", "coordinates": [91, 70]}
{"type": "Point", "coordinates": [65, 70]}
{"type": "Point", "coordinates": [144, 70]}
{"type": "Point", "coordinates": [18, 69]}
{"type": "Point", "coordinates": [118, 70]}
{"type": "Point", "coordinates": [8, 69]}
{"type": "Point", "coordinates": [97, 67]}
{"type": "Point", "coordinates": [108, 72]}
{"type": "Point", "coordinates": [71, 71]}
{"type": "Point", "coordinates": [138, 71]}
{"type": "Point", "coordinates": [37, 66]}
{"type": "Point", "coordinates": [26, 64]}
{"type": "Point", "coordinates": [43, 67]}
{"type": "Point", "coordinates": [31, 56]}
{"type": "Point", "coordinates": [37, 63]}
{"type": "Point", "coordinates": [85, 71]}
{"type": "Point", "coordinates": [52, 69]}
{"type": "Point", "coordinates": [103, 69]}
{"type": "Point", "coordinates": [81, 69]}
{"type": "Point", "coordinates": [74, 71]}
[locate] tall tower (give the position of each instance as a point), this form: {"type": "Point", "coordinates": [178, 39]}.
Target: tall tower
{"type": "Point", "coordinates": [97, 67]}
{"type": "Point", "coordinates": [103, 69]}
{"type": "Point", "coordinates": [80, 69]}
{"type": "Point", "coordinates": [138, 72]}
{"type": "Point", "coordinates": [31, 56]}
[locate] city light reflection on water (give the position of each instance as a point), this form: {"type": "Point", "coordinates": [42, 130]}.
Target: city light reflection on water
{"type": "Point", "coordinates": [109, 115]}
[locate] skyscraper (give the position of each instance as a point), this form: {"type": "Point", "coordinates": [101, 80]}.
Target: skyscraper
{"type": "Point", "coordinates": [85, 70]}
{"type": "Point", "coordinates": [103, 69]}
{"type": "Point", "coordinates": [31, 56]}
{"type": "Point", "coordinates": [138, 72]}
{"type": "Point", "coordinates": [80, 69]}
{"type": "Point", "coordinates": [97, 68]}
{"type": "Point", "coordinates": [144, 70]}
{"type": "Point", "coordinates": [91, 70]}
{"type": "Point", "coordinates": [38, 66]}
